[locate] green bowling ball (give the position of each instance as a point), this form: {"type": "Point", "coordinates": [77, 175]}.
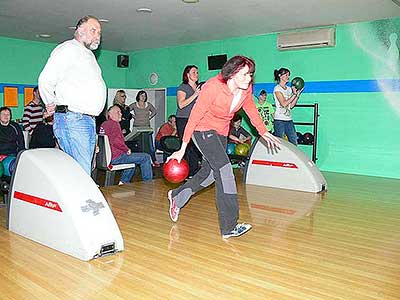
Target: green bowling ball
{"type": "Point", "coordinates": [241, 149]}
{"type": "Point", "coordinates": [247, 145]}
{"type": "Point", "coordinates": [298, 83]}
{"type": "Point", "coordinates": [1, 169]}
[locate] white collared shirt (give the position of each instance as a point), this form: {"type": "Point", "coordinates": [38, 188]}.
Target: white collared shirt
{"type": "Point", "coordinates": [73, 77]}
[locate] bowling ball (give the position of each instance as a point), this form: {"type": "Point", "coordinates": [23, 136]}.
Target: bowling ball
{"type": "Point", "coordinates": [230, 149]}
{"type": "Point", "coordinates": [308, 138]}
{"type": "Point", "coordinates": [298, 83]}
{"type": "Point", "coordinates": [175, 172]}
{"type": "Point", "coordinates": [9, 165]}
{"type": "Point", "coordinates": [300, 138]}
{"type": "Point", "coordinates": [1, 169]}
{"type": "Point", "coordinates": [242, 149]}
{"type": "Point", "coordinates": [4, 187]}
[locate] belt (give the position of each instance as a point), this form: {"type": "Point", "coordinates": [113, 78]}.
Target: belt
{"type": "Point", "coordinates": [61, 109]}
{"type": "Point", "coordinates": [64, 109]}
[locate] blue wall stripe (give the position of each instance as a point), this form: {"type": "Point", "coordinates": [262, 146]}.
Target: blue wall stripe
{"type": "Point", "coordinates": [171, 91]}
{"type": "Point", "coordinates": [19, 86]}
{"type": "Point", "coordinates": [342, 86]}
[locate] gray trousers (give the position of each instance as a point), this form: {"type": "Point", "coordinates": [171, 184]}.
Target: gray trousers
{"type": "Point", "coordinates": [215, 167]}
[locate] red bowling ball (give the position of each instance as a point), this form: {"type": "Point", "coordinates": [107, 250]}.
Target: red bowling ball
{"type": "Point", "coordinates": [175, 172]}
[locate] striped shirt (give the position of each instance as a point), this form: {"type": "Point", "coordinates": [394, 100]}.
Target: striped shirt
{"type": "Point", "coordinates": [33, 114]}
{"type": "Point", "coordinates": [142, 116]}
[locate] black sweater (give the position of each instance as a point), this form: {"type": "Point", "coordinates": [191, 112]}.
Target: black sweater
{"type": "Point", "coordinates": [11, 139]}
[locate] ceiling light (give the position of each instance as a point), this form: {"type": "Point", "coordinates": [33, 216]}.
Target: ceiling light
{"type": "Point", "coordinates": [43, 35]}
{"type": "Point", "coordinates": [144, 10]}
{"type": "Point", "coordinates": [190, 1]}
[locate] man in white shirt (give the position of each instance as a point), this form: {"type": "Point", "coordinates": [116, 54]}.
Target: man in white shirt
{"type": "Point", "coordinates": [72, 87]}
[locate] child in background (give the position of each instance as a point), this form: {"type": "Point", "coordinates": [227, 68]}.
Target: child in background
{"type": "Point", "coordinates": [237, 134]}
{"type": "Point", "coordinates": [265, 110]}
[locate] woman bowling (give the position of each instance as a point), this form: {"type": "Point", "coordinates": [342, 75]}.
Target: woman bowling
{"type": "Point", "coordinates": [208, 127]}
{"type": "Point", "coordinates": [285, 99]}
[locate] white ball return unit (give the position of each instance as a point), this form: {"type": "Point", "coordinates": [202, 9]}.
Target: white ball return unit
{"type": "Point", "coordinates": [52, 201]}
{"type": "Point", "coordinates": [285, 168]}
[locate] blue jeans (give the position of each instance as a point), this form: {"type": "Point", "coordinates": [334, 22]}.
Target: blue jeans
{"type": "Point", "coordinates": [285, 127]}
{"type": "Point", "coordinates": [76, 135]}
{"type": "Point", "coordinates": [142, 159]}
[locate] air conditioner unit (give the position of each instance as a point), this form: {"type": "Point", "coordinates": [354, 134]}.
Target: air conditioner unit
{"type": "Point", "coordinates": [324, 37]}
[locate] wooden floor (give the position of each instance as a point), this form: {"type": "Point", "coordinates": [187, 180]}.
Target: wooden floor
{"type": "Point", "coordinates": [344, 244]}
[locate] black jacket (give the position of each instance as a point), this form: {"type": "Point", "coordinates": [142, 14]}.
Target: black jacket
{"type": "Point", "coordinates": [11, 139]}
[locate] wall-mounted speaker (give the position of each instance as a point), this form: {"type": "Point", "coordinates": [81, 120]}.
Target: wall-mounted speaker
{"type": "Point", "coordinates": [216, 62]}
{"type": "Point", "coordinates": [122, 61]}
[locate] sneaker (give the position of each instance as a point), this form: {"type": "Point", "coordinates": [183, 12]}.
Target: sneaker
{"type": "Point", "coordinates": [173, 208]}
{"type": "Point", "coordinates": [121, 183]}
{"type": "Point", "coordinates": [237, 231]}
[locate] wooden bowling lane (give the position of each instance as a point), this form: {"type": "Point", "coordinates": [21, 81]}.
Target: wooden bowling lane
{"type": "Point", "coordinates": [344, 244]}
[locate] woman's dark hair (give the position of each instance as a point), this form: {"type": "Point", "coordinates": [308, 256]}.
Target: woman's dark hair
{"type": "Point", "coordinates": [185, 78]}
{"type": "Point", "coordinates": [140, 93]}
{"type": "Point", "coordinates": [279, 73]}
{"type": "Point", "coordinates": [235, 64]}
{"type": "Point", "coordinates": [236, 118]}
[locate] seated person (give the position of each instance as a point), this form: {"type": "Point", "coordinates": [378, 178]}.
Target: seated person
{"type": "Point", "coordinates": [120, 153]}
{"type": "Point", "coordinates": [265, 110]}
{"type": "Point", "coordinates": [166, 130]}
{"type": "Point", "coordinates": [43, 135]}
{"type": "Point", "coordinates": [11, 136]}
{"type": "Point", "coordinates": [237, 134]}
{"type": "Point", "coordinates": [33, 112]}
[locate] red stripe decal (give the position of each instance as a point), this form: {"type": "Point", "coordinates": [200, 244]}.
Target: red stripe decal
{"type": "Point", "coordinates": [274, 164]}
{"type": "Point", "coordinates": [37, 201]}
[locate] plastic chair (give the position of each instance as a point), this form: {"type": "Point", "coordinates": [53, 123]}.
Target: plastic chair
{"type": "Point", "coordinates": [103, 160]}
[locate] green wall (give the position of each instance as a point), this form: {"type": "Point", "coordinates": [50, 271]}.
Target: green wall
{"type": "Point", "coordinates": [358, 131]}
{"type": "Point", "coordinates": [21, 62]}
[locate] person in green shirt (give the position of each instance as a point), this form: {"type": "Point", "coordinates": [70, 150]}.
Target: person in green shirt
{"type": "Point", "coordinates": [266, 110]}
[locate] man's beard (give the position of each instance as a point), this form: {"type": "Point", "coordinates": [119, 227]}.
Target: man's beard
{"type": "Point", "coordinates": [93, 45]}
